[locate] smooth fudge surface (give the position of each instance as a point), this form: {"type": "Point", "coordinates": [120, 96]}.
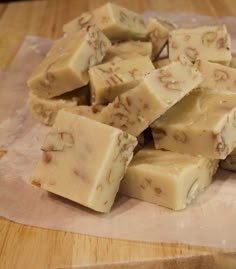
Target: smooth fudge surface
{"type": "Point", "coordinates": [65, 68]}
{"type": "Point", "coordinates": [84, 160]}
{"type": "Point", "coordinates": [210, 43]}
{"type": "Point", "coordinates": [116, 22]}
{"type": "Point", "coordinates": [134, 110]}
{"type": "Point", "coordinates": [217, 76]}
{"type": "Point", "coordinates": [113, 78]}
{"type": "Point", "coordinates": [45, 110]}
{"type": "Point", "coordinates": [158, 33]}
{"type": "Point", "coordinates": [128, 49]}
{"type": "Point", "coordinates": [167, 178]}
{"type": "Point", "coordinates": [202, 123]}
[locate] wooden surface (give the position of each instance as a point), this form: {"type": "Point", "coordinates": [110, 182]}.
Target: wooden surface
{"type": "Point", "coordinates": [27, 247]}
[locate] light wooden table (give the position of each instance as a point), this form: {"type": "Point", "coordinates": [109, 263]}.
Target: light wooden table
{"type": "Point", "coordinates": [27, 247]}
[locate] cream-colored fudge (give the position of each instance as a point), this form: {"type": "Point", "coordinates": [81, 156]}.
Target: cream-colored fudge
{"type": "Point", "coordinates": [210, 43]}
{"type": "Point", "coordinates": [45, 110]}
{"type": "Point", "coordinates": [65, 67]}
{"type": "Point", "coordinates": [202, 123]}
{"type": "Point", "coordinates": [116, 22]}
{"type": "Point", "coordinates": [217, 76]}
{"type": "Point", "coordinates": [84, 160]}
{"type": "Point", "coordinates": [91, 112]}
{"type": "Point", "coordinates": [167, 178]}
{"type": "Point", "coordinates": [233, 60]}
{"type": "Point", "coordinates": [113, 78]}
{"type": "Point", "coordinates": [134, 110]}
{"type": "Point", "coordinates": [158, 32]}
{"type": "Point", "coordinates": [128, 49]}
{"type": "Point", "coordinates": [161, 62]}
{"type": "Point", "coordinates": [229, 163]}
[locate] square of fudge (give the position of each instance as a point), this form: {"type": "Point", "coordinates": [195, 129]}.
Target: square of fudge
{"type": "Point", "coordinates": [210, 43]}
{"type": "Point", "coordinates": [166, 178]}
{"type": "Point", "coordinates": [84, 160]}
{"type": "Point", "coordinates": [116, 22]}
{"type": "Point", "coordinates": [202, 123]}
{"type": "Point", "coordinates": [65, 68]}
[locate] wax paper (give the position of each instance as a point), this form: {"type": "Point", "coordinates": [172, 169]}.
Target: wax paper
{"type": "Point", "coordinates": [209, 221]}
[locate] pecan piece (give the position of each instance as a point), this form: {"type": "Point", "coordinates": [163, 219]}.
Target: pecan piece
{"type": "Point", "coordinates": [180, 136]}
{"type": "Point", "coordinates": [221, 42]}
{"type": "Point", "coordinates": [159, 133]}
{"type": "Point", "coordinates": [208, 38]}
{"type": "Point", "coordinates": [36, 183]}
{"type": "Point", "coordinates": [47, 157]}
{"type": "Point", "coordinates": [58, 141]}
{"type": "Point", "coordinates": [191, 53]}
{"type": "Point", "coordinates": [175, 86]}
{"type": "Point", "coordinates": [220, 75]}
{"type": "Point", "coordinates": [84, 19]}
{"type": "Point", "coordinates": [157, 190]}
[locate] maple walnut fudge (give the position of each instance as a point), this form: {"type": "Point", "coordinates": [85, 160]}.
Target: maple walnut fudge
{"type": "Point", "coordinates": [202, 123]}
{"type": "Point", "coordinates": [134, 110]}
{"type": "Point", "coordinates": [81, 164]}
{"type": "Point", "coordinates": [116, 22]}
{"type": "Point", "coordinates": [210, 43]}
{"type": "Point", "coordinates": [217, 76]}
{"type": "Point", "coordinates": [167, 178]}
{"type": "Point", "coordinates": [113, 78]}
{"type": "Point", "coordinates": [45, 110]}
{"type": "Point", "coordinates": [65, 67]}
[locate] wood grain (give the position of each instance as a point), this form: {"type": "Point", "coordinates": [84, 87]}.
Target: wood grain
{"type": "Point", "coordinates": [27, 247]}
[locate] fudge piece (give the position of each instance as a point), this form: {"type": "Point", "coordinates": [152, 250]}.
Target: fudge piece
{"type": "Point", "coordinates": [66, 65]}
{"type": "Point", "coordinates": [230, 162]}
{"type": "Point", "coordinates": [134, 110]}
{"type": "Point", "coordinates": [233, 60]}
{"type": "Point", "coordinates": [217, 76]}
{"type": "Point", "coordinates": [167, 178]}
{"type": "Point", "coordinates": [210, 43]}
{"type": "Point", "coordinates": [45, 110]}
{"type": "Point", "coordinates": [202, 123]}
{"type": "Point", "coordinates": [158, 32]}
{"type": "Point", "coordinates": [113, 78]}
{"type": "Point", "coordinates": [128, 49]}
{"type": "Point", "coordinates": [161, 62]}
{"type": "Point", "coordinates": [84, 160]}
{"type": "Point", "coordinates": [116, 22]}
{"type": "Point", "coordinates": [91, 112]}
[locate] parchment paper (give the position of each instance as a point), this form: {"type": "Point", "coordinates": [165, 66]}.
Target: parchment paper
{"type": "Point", "coordinates": [209, 221]}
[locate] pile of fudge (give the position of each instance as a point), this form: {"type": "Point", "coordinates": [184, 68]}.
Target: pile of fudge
{"type": "Point", "coordinates": [125, 120]}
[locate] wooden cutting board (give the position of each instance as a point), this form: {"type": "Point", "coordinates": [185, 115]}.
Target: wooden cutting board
{"type": "Point", "coordinates": [27, 247]}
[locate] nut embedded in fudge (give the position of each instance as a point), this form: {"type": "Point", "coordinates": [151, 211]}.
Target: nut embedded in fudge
{"type": "Point", "coordinates": [167, 178]}
{"type": "Point", "coordinates": [116, 22]}
{"type": "Point", "coordinates": [210, 43]}
{"type": "Point", "coordinates": [113, 78]}
{"type": "Point", "coordinates": [84, 160]}
{"type": "Point", "coordinates": [202, 123]}
{"type": "Point", "coordinates": [217, 76]}
{"type": "Point", "coordinates": [134, 110]}
{"type": "Point", "coordinates": [45, 110]}
{"type": "Point", "coordinates": [66, 66]}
